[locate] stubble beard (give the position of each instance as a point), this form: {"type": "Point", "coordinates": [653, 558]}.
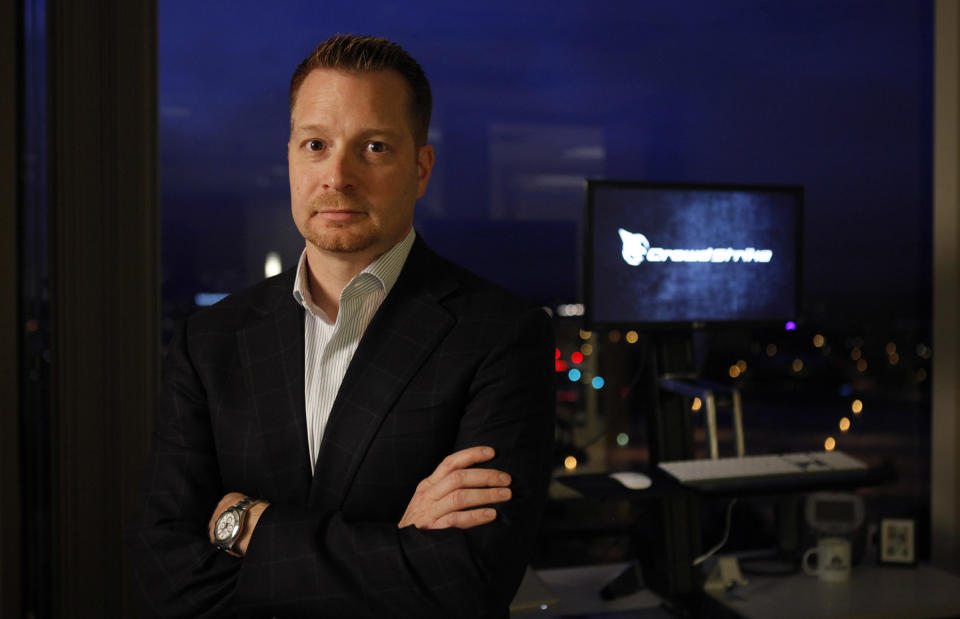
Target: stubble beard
{"type": "Point", "coordinates": [339, 237]}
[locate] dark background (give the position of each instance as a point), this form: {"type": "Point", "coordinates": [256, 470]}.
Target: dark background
{"type": "Point", "coordinates": [530, 98]}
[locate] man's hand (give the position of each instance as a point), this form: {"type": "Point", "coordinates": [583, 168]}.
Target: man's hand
{"type": "Point", "coordinates": [249, 521]}
{"type": "Point", "coordinates": [446, 498]}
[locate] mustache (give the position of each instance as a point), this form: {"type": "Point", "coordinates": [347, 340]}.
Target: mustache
{"type": "Point", "coordinates": [338, 201]}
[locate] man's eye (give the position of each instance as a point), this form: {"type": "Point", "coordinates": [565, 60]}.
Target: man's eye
{"type": "Point", "coordinates": [314, 145]}
{"type": "Point", "coordinates": [376, 147]}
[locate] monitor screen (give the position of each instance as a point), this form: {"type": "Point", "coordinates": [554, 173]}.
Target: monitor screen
{"type": "Point", "coordinates": [661, 254]}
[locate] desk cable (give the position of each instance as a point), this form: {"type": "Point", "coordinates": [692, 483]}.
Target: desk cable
{"type": "Point", "coordinates": [726, 536]}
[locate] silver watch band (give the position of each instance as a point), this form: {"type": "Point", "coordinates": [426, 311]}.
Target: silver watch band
{"type": "Point", "coordinates": [245, 503]}
{"type": "Point", "coordinates": [241, 508]}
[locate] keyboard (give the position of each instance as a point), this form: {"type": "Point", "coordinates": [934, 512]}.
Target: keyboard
{"type": "Point", "coordinates": [773, 470]}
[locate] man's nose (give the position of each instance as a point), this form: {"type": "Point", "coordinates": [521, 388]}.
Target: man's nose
{"type": "Point", "coordinates": [339, 172]}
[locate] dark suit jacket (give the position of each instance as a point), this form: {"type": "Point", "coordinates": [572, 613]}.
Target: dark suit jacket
{"type": "Point", "coordinates": [448, 362]}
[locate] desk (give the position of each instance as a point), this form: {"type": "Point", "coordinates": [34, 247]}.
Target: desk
{"type": "Point", "coordinates": [872, 591]}
{"type": "Point", "coordinates": [576, 593]}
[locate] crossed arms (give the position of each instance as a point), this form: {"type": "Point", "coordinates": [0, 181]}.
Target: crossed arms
{"type": "Point", "coordinates": [451, 497]}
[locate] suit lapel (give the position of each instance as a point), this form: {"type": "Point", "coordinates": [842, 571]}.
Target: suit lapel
{"type": "Point", "coordinates": [401, 336]}
{"type": "Point", "coordinates": [271, 352]}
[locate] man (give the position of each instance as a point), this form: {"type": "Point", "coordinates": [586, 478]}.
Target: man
{"type": "Point", "coordinates": [336, 412]}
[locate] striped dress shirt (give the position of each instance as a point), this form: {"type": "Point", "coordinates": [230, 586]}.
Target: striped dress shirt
{"type": "Point", "coordinates": [329, 346]}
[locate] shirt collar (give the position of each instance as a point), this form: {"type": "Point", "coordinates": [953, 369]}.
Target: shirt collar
{"type": "Point", "coordinates": [385, 269]}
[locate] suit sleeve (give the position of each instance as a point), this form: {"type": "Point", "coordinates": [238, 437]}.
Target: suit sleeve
{"type": "Point", "coordinates": [177, 572]}
{"type": "Point", "coordinates": [301, 564]}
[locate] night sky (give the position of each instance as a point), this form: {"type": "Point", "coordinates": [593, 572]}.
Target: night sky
{"type": "Point", "coordinates": [532, 97]}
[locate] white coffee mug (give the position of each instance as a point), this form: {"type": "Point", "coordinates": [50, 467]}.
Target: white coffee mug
{"type": "Point", "coordinates": [832, 559]}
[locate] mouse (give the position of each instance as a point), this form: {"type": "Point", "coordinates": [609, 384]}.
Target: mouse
{"type": "Point", "coordinates": [632, 479]}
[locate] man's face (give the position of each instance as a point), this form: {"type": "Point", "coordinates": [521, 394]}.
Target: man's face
{"type": "Point", "coordinates": [355, 170]}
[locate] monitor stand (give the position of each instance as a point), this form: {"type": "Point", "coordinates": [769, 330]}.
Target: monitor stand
{"type": "Point", "coordinates": [706, 391]}
{"type": "Point", "coordinates": [669, 539]}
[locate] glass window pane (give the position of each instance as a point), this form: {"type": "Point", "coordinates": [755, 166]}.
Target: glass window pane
{"type": "Point", "coordinates": [530, 99]}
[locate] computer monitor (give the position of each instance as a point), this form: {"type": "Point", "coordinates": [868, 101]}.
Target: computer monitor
{"type": "Point", "coordinates": [688, 255]}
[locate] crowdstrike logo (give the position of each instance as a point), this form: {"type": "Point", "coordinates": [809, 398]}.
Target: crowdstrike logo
{"type": "Point", "coordinates": [636, 249]}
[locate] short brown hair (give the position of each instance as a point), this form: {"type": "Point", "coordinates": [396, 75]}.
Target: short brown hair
{"type": "Point", "coordinates": [362, 54]}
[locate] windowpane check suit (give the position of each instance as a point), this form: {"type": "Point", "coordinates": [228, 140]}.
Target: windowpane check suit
{"type": "Point", "coordinates": [449, 361]}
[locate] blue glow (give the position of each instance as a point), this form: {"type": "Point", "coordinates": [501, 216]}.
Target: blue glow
{"type": "Point", "coordinates": [790, 326]}
{"type": "Point", "coordinates": [846, 389]}
{"type": "Point", "coordinates": [196, 114]}
{"type": "Point", "coordinates": [573, 375]}
{"type": "Point", "coordinates": [543, 607]}
{"type": "Point", "coordinates": [203, 299]}
{"type": "Point", "coordinates": [597, 382]}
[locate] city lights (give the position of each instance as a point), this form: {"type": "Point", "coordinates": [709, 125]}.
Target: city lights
{"type": "Point", "coordinates": [570, 309]}
{"type": "Point", "coordinates": [203, 299]}
{"type": "Point", "coordinates": [272, 265]}
{"type": "Point", "coordinates": [853, 364]}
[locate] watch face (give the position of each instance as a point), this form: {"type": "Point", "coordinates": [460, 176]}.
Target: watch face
{"type": "Point", "coordinates": [225, 526]}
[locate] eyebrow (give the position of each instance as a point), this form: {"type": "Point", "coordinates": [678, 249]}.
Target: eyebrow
{"type": "Point", "coordinates": [307, 129]}
{"type": "Point", "coordinates": [315, 128]}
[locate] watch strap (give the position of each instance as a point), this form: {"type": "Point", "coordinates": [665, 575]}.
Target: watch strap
{"type": "Point", "coordinates": [245, 503]}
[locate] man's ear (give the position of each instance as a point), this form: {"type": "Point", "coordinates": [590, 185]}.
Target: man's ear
{"type": "Point", "coordinates": [425, 157]}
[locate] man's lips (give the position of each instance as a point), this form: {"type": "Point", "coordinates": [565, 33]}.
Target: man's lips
{"type": "Point", "coordinates": [339, 215]}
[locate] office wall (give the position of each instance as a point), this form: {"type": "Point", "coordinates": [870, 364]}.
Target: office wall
{"type": "Point", "coordinates": [945, 487]}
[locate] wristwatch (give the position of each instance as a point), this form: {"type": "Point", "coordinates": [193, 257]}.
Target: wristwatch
{"type": "Point", "coordinates": [226, 531]}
